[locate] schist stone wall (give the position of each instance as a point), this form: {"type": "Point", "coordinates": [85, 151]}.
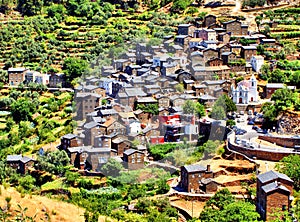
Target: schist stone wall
{"type": "Point", "coordinates": [281, 141]}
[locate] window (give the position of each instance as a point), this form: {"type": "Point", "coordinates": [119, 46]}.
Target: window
{"type": "Point", "coordinates": [132, 160]}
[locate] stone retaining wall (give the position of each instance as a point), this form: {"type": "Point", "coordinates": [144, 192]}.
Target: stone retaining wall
{"type": "Point", "coordinates": [281, 141]}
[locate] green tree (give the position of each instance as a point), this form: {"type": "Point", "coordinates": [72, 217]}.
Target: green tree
{"type": "Point", "coordinates": [30, 7]}
{"type": "Point", "coordinates": [74, 68]}
{"type": "Point", "coordinates": [27, 182]}
{"type": "Point", "coordinates": [277, 76]}
{"type": "Point", "coordinates": [290, 165]}
{"type": "Point", "coordinates": [190, 107]}
{"type": "Point", "coordinates": [284, 98]}
{"type": "Point", "coordinates": [179, 87]}
{"type": "Point", "coordinates": [211, 146]}
{"type": "Point", "coordinates": [223, 207]}
{"type": "Point", "coordinates": [53, 162]}
{"type": "Point", "coordinates": [22, 109]}
{"type": "Point", "coordinates": [112, 168]}
{"type": "Point", "coordinates": [270, 112]}
{"type": "Point", "coordinates": [225, 100]}
{"type": "Point", "coordinates": [218, 112]}
{"type": "Point", "coordinates": [71, 177]}
{"type": "Point", "coordinates": [289, 49]}
{"type": "Point", "coordinates": [295, 79]}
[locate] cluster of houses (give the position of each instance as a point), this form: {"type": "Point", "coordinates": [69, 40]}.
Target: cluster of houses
{"type": "Point", "coordinates": [137, 99]}
{"type": "Point", "coordinates": [20, 75]}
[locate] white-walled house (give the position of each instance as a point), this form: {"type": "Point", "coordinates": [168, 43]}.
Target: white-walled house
{"type": "Point", "coordinates": [257, 62]}
{"type": "Point", "coordinates": [107, 84]}
{"type": "Point", "coordinates": [134, 126]}
{"type": "Point", "coordinates": [245, 92]}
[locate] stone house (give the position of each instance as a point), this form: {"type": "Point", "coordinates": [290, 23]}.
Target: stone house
{"type": "Point", "coordinates": [91, 130]}
{"type": "Point", "coordinates": [199, 89]}
{"type": "Point", "coordinates": [214, 62]}
{"type": "Point", "coordinates": [128, 96]}
{"type": "Point", "coordinates": [188, 83]}
{"type": "Point", "coordinates": [112, 126]}
{"type": "Point", "coordinates": [88, 158]}
{"type": "Point", "coordinates": [120, 64]}
{"type": "Point", "coordinates": [210, 53]}
{"type": "Point", "coordinates": [270, 88]}
{"type": "Point", "coordinates": [209, 185]}
{"type": "Point", "coordinates": [273, 192]}
{"type": "Point", "coordinates": [206, 34]}
{"type": "Point", "coordinates": [16, 76]}
{"type": "Point", "coordinates": [228, 57]}
{"type": "Point", "coordinates": [183, 41]}
{"type": "Point", "coordinates": [191, 176]}
{"type": "Point", "coordinates": [176, 100]}
{"type": "Point", "coordinates": [103, 141]}
{"type": "Point", "coordinates": [133, 159]}
{"type": "Point", "coordinates": [247, 52]}
{"type": "Point", "coordinates": [69, 140]}
{"type": "Point", "coordinates": [163, 101]}
{"type": "Point", "coordinates": [120, 144]}
{"type": "Point", "coordinates": [57, 80]}
{"type": "Point", "coordinates": [235, 28]}
{"type": "Point", "coordinates": [186, 29]}
{"type": "Point", "coordinates": [132, 69]}
{"type": "Point", "coordinates": [209, 20]}
{"type": "Point", "coordinates": [223, 37]}
{"type": "Point", "coordinates": [20, 163]}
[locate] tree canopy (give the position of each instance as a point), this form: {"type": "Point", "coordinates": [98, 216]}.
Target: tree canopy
{"type": "Point", "coordinates": [223, 207]}
{"type": "Point", "coordinates": [290, 165]}
{"type": "Point", "coordinates": [53, 162]}
{"type": "Point", "coordinates": [74, 68]}
{"type": "Point", "coordinates": [190, 107]}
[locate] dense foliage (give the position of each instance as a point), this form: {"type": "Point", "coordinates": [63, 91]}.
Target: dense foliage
{"type": "Point", "coordinates": [34, 119]}
{"type": "Point", "coordinates": [223, 207]}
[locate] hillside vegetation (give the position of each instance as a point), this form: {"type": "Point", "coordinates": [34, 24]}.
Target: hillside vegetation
{"type": "Point", "coordinates": [41, 34]}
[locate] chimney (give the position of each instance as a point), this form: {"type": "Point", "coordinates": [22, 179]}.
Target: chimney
{"type": "Point", "coordinates": [208, 168]}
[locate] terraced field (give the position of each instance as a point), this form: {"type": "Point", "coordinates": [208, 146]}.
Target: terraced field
{"type": "Point", "coordinates": [42, 42]}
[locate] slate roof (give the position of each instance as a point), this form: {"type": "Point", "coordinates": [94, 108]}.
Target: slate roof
{"type": "Point", "coordinates": [194, 168]}
{"type": "Point", "coordinates": [118, 140]}
{"type": "Point", "coordinates": [69, 136]}
{"type": "Point", "coordinates": [132, 92]}
{"type": "Point", "coordinates": [273, 186]}
{"type": "Point", "coordinates": [91, 125]}
{"type": "Point", "coordinates": [25, 159]}
{"type": "Point", "coordinates": [214, 82]}
{"type": "Point", "coordinates": [105, 112]}
{"type": "Point", "coordinates": [207, 97]}
{"type": "Point", "coordinates": [10, 158]}
{"type": "Point", "coordinates": [146, 100]}
{"type": "Point", "coordinates": [272, 175]}
{"type": "Point", "coordinates": [184, 25]}
{"type": "Point", "coordinates": [130, 151]}
{"type": "Point", "coordinates": [21, 69]}
{"type": "Point", "coordinates": [91, 87]}
{"type": "Point", "coordinates": [275, 85]}
{"type": "Point", "coordinates": [250, 47]}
